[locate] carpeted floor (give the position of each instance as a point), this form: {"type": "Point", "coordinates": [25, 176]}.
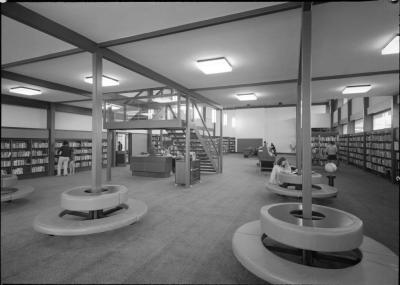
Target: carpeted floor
{"type": "Point", "coordinates": [185, 236]}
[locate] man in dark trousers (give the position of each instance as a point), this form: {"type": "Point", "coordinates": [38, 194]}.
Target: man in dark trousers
{"type": "Point", "coordinates": [64, 153]}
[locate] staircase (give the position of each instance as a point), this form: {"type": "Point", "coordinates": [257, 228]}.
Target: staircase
{"type": "Point", "coordinates": [198, 144]}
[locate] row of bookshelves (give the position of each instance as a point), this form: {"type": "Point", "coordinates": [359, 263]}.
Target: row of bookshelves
{"type": "Point", "coordinates": [377, 151]}
{"type": "Point", "coordinates": [319, 142]}
{"type": "Point", "coordinates": [31, 156]}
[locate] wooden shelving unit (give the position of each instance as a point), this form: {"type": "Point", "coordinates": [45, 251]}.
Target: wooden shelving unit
{"type": "Point", "coordinates": [82, 150]}
{"type": "Point", "coordinates": [374, 151]}
{"type": "Point", "coordinates": [25, 157]}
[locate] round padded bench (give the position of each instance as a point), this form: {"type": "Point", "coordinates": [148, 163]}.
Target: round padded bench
{"type": "Point", "coordinates": [330, 230]}
{"type": "Point", "coordinates": [8, 180]}
{"type": "Point", "coordinates": [49, 222]}
{"type": "Point", "coordinates": [293, 178]}
{"type": "Point", "coordinates": [16, 192]}
{"type": "Point", "coordinates": [325, 191]}
{"type": "Point", "coordinates": [379, 265]}
{"type": "Point", "coordinates": [81, 199]}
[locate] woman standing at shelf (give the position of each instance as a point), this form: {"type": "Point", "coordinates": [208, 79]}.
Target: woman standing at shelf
{"type": "Point", "coordinates": [64, 154]}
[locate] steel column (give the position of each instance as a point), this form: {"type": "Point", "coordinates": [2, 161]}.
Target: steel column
{"type": "Point", "coordinates": [97, 127]}
{"type": "Point", "coordinates": [187, 145]}
{"type": "Point", "coordinates": [109, 154]}
{"type": "Point", "coordinates": [220, 140]}
{"type": "Point", "coordinates": [306, 109]}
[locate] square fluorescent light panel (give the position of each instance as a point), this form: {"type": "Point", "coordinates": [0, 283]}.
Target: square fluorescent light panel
{"type": "Point", "coordinates": [106, 81]}
{"type": "Point", "coordinates": [246, 97]}
{"type": "Point", "coordinates": [214, 65]}
{"type": "Point", "coordinates": [356, 89]}
{"type": "Point", "coordinates": [392, 47]}
{"type": "Point", "coordinates": [25, 91]}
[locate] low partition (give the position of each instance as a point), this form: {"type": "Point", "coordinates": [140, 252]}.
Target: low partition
{"type": "Point", "coordinates": [151, 166]}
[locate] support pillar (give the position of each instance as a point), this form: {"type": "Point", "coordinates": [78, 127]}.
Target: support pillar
{"type": "Point", "coordinates": [187, 144]}
{"type": "Point", "coordinates": [306, 109]}
{"type": "Point", "coordinates": [220, 141]}
{"type": "Point", "coordinates": [97, 158]}
{"type": "Point", "coordinates": [109, 155]}
{"type": "Point", "coordinates": [52, 138]}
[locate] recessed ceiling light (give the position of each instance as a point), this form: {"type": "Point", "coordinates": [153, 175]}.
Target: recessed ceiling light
{"type": "Point", "coordinates": [168, 99]}
{"type": "Point", "coordinates": [113, 107]}
{"type": "Point", "coordinates": [246, 97]}
{"type": "Point", "coordinates": [392, 47]}
{"type": "Point", "coordinates": [25, 91]}
{"type": "Point", "coordinates": [214, 65]}
{"type": "Point", "coordinates": [356, 89]}
{"type": "Point", "coordinates": [106, 81]}
{"type": "Point", "coordinates": [129, 94]}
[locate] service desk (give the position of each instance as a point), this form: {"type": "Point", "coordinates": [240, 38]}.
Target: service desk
{"type": "Point", "coordinates": [151, 166]}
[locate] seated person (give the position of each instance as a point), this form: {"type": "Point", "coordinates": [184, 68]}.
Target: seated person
{"type": "Point", "coordinates": [281, 165]}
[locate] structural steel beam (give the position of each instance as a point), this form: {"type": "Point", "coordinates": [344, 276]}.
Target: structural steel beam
{"type": "Point", "coordinates": [271, 106]}
{"type": "Point", "coordinates": [42, 58]}
{"type": "Point", "coordinates": [43, 83]}
{"type": "Point", "coordinates": [203, 24]}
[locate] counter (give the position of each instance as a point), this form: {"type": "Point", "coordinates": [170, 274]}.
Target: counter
{"type": "Point", "coordinates": [151, 166]}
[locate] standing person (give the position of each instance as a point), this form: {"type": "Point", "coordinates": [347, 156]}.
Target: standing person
{"type": "Point", "coordinates": [72, 163]}
{"type": "Point", "coordinates": [64, 154]}
{"type": "Point", "coordinates": [119, 146]}
{"type": "Point", "coordinates": [331, 151]}
{"type": "Point", "coordinates": [173, 150]}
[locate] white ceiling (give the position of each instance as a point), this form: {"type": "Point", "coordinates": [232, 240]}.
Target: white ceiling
{"type": "Point", "coordinates": [346, 38]}
{"type": "Point", "coordinates": [108, 21]}
{"type": "Point", "coordinates": [19, 42]}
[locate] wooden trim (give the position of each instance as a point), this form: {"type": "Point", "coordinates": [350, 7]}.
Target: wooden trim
{"type": "Point", "coordinates": [73, 109]}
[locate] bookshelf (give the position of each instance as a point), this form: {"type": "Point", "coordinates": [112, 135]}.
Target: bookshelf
{"type": "Point", "coordinates": [319, 142]}
{"type": "Point", "coordinates": [25, 157]}
{"type": "Point", "coordinates": [373, 151]}
{"type": "Point", "coordinates": [82, 149]}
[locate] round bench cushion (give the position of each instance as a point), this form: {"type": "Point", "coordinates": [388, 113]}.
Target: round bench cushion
{"type": "Point", "coordinates": [293, 178]}
{"type": "Point", "coordinates": [337, 231]}
{"type": "Point", "coordinates": [21, 192]}
{"type": "Point", "coordinates": [9, 180]}
{"type": "Point", "coordinates": [80, 199]}
{"type": "Point", "coordinates": [326, 191]}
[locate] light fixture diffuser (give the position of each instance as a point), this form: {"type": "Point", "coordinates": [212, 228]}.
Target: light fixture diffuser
{"type": "Point", "coordinates": [25, 91]}
{"type": "Point", "coordinates": [112, 106]}
{"type": "Point", "coordinates": [214, 65]}
{"type": "Point", "coordinates": [392, 47]}
{"type": "Point", "coordinates": [246, 97]}
{"type": "Point", "coordinates": [356, 89]}
{"type": "Point", "coordinates": [167, 99]}
{"type": "Point", "coordinates": [106, 81]}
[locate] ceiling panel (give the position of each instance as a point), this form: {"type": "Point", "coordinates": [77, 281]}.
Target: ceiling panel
{"type": "Point", "coordinates": [71, 70]}
{"type": "Point", "coordinates": [19, 42]}
{"type": "Point", "coordinates": [108, 21]}
{"type": "Point", "coordinates": [259, 49]}
{"type": "Point", "coordinates": [347, 37]}
{"type": "Point", "coordinates": [47, 94]}
{"type": "Point", "coordinates": [322, 91]}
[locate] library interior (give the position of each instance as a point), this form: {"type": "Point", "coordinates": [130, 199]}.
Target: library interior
{"type": "Point", "coordinates": [200, 142]}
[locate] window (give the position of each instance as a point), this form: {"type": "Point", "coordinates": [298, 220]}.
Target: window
{"type": "Point", "coordinates": [345, 129]}
{"type": "Point", "coordinates": [345, 100]}
{"type": "Point", "coordinates": [382, 120]}
{"type": "Point", "coordinates": [225, 119]}
{"type": "Point", "coordinates": [359, 126]}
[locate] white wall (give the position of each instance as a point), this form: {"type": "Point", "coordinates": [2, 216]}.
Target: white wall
{"type": "Point", "coordinates": [357, 105]}
{"type": "Point", "coordinates": [23, 117]}
{"type": "Point", "coordinates": [344, 113]}
{"type": "Point", "coordinates": [277, 125]}
{"type": "Point", "coordinates": [139, 143]}
{"type": "Point", "coordinates": [73, 122]}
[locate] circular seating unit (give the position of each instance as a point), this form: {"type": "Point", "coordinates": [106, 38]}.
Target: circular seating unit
{"type": "Point", "coordinates": [70, 219]}
{"type": "Point", "coordinates": [81, 199]}
{"type": "Point", "coordinates": [324, 191]}
{"type": "Point", "coordinates": [11, 191]}
{"type": "Point", "coordinates": [331, 230]}
{"type": "Point", "coordinates": [379, 265]}
{"type": "Point", "coordinates": [293, 178]}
